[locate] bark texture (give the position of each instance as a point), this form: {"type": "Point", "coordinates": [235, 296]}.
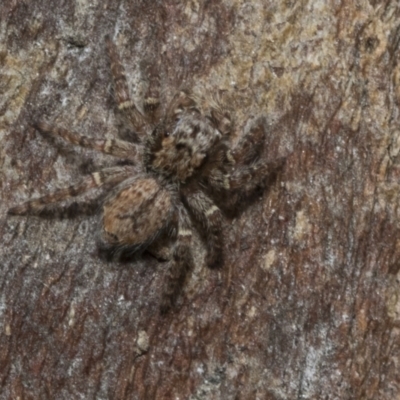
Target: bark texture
{"type": "Point", "coordinates": [307, 305]}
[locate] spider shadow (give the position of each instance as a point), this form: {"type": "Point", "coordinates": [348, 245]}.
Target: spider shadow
{"type": "Point", "coordinates": [151, 253]}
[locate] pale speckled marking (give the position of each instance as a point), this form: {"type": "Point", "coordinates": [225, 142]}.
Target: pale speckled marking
{"type": "Point", "coordinates": [151, 101]}
{"type": "Point", "coordinates": [97, 178]}
{"type": "Point", "coordinates": [124, 105]}
{"type": "Point", "coordinates": [227, 184]}
{"type": "Point", "coordinates": [230, 157]}
{"type": "Point", "coordinates": [184, 232]}
{"type": "Point", "coordinates": [108, 145]}
{"type": "Point", "coordinates": [211, 211]}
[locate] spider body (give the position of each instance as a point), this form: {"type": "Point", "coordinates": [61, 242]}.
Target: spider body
{"type": "Point", "coordinates": [177, 151]}
{"type": "Point", "coordinates": [183, 159]}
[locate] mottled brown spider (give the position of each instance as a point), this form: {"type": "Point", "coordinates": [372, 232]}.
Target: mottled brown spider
{"type": "Point", "coordinates": [183, 162]}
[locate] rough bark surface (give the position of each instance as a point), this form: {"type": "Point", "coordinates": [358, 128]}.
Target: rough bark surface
{"type": "Point", "coordinates": [307, 305]}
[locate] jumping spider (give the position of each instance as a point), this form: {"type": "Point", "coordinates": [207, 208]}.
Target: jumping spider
{"type": "Point", "coordinates": [183, 161]}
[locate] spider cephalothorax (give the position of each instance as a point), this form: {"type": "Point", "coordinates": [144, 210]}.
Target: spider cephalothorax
{"type": "Point", "coordinates": [177, 150]}
{"type": "Point", "coordinates": [183, 161]}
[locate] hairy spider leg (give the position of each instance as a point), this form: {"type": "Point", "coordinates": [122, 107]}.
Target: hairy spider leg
{"type": "Point", "coordinates": [251, 145]}
{"type": "Point", "coordinates": [221, 117]}
{"type": "Point", "coordinates": [123, 99]}
{"type": "Point", "coordinates": [210, 217]}
{"type": "Point", "coordinates": [181, 263]}
{"type": "Point", "coordinates": [248, 178]}
{"type": "Point", "coordinates": [114, 147]}
{"type": "Point", "coordinates": [244, 168]}
{"type": "Point", "coordinates": [179, 102]}
{"type": "Point", "coordinates": [107, 175]}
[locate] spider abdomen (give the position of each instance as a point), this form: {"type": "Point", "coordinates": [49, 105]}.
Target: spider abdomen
{"type": "Point", "coordinates": [136, 214]}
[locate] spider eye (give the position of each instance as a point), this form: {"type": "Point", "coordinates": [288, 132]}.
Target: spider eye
{"type": "Point", "coordinates": [166, 133]}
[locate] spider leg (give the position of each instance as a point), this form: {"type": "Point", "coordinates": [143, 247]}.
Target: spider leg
{"type": "Point", "coordinates": [181, 263]}
{"type": "Point", "coordinates": [160, 249]}
{"type": "Point", "coordinates": [179, 102]}
{"type": "Point", "coordinates": [252, 143]}
{"type": "Point", "coordinates": [242, 180]}
{"type": "Point", "coordinates": [123, 99]}
{"type": "Point", "coordinates": [108, 175]}
{"type": "Point", "coordinates": [114, 147]}
{"type": "Point", "coordinates": [243, 169]}
{"type": "Point", "coordinates": [210, 217]}
{"type": "Point", "coordinates": [247, 178]}
{"type": "Point", "coordinates": [151, 105]}
{"type": "Point", "coordinates": [221, 117]}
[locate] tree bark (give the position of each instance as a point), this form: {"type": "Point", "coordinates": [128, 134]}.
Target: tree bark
{"type": "Point", "coordinates": [307, 303]}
